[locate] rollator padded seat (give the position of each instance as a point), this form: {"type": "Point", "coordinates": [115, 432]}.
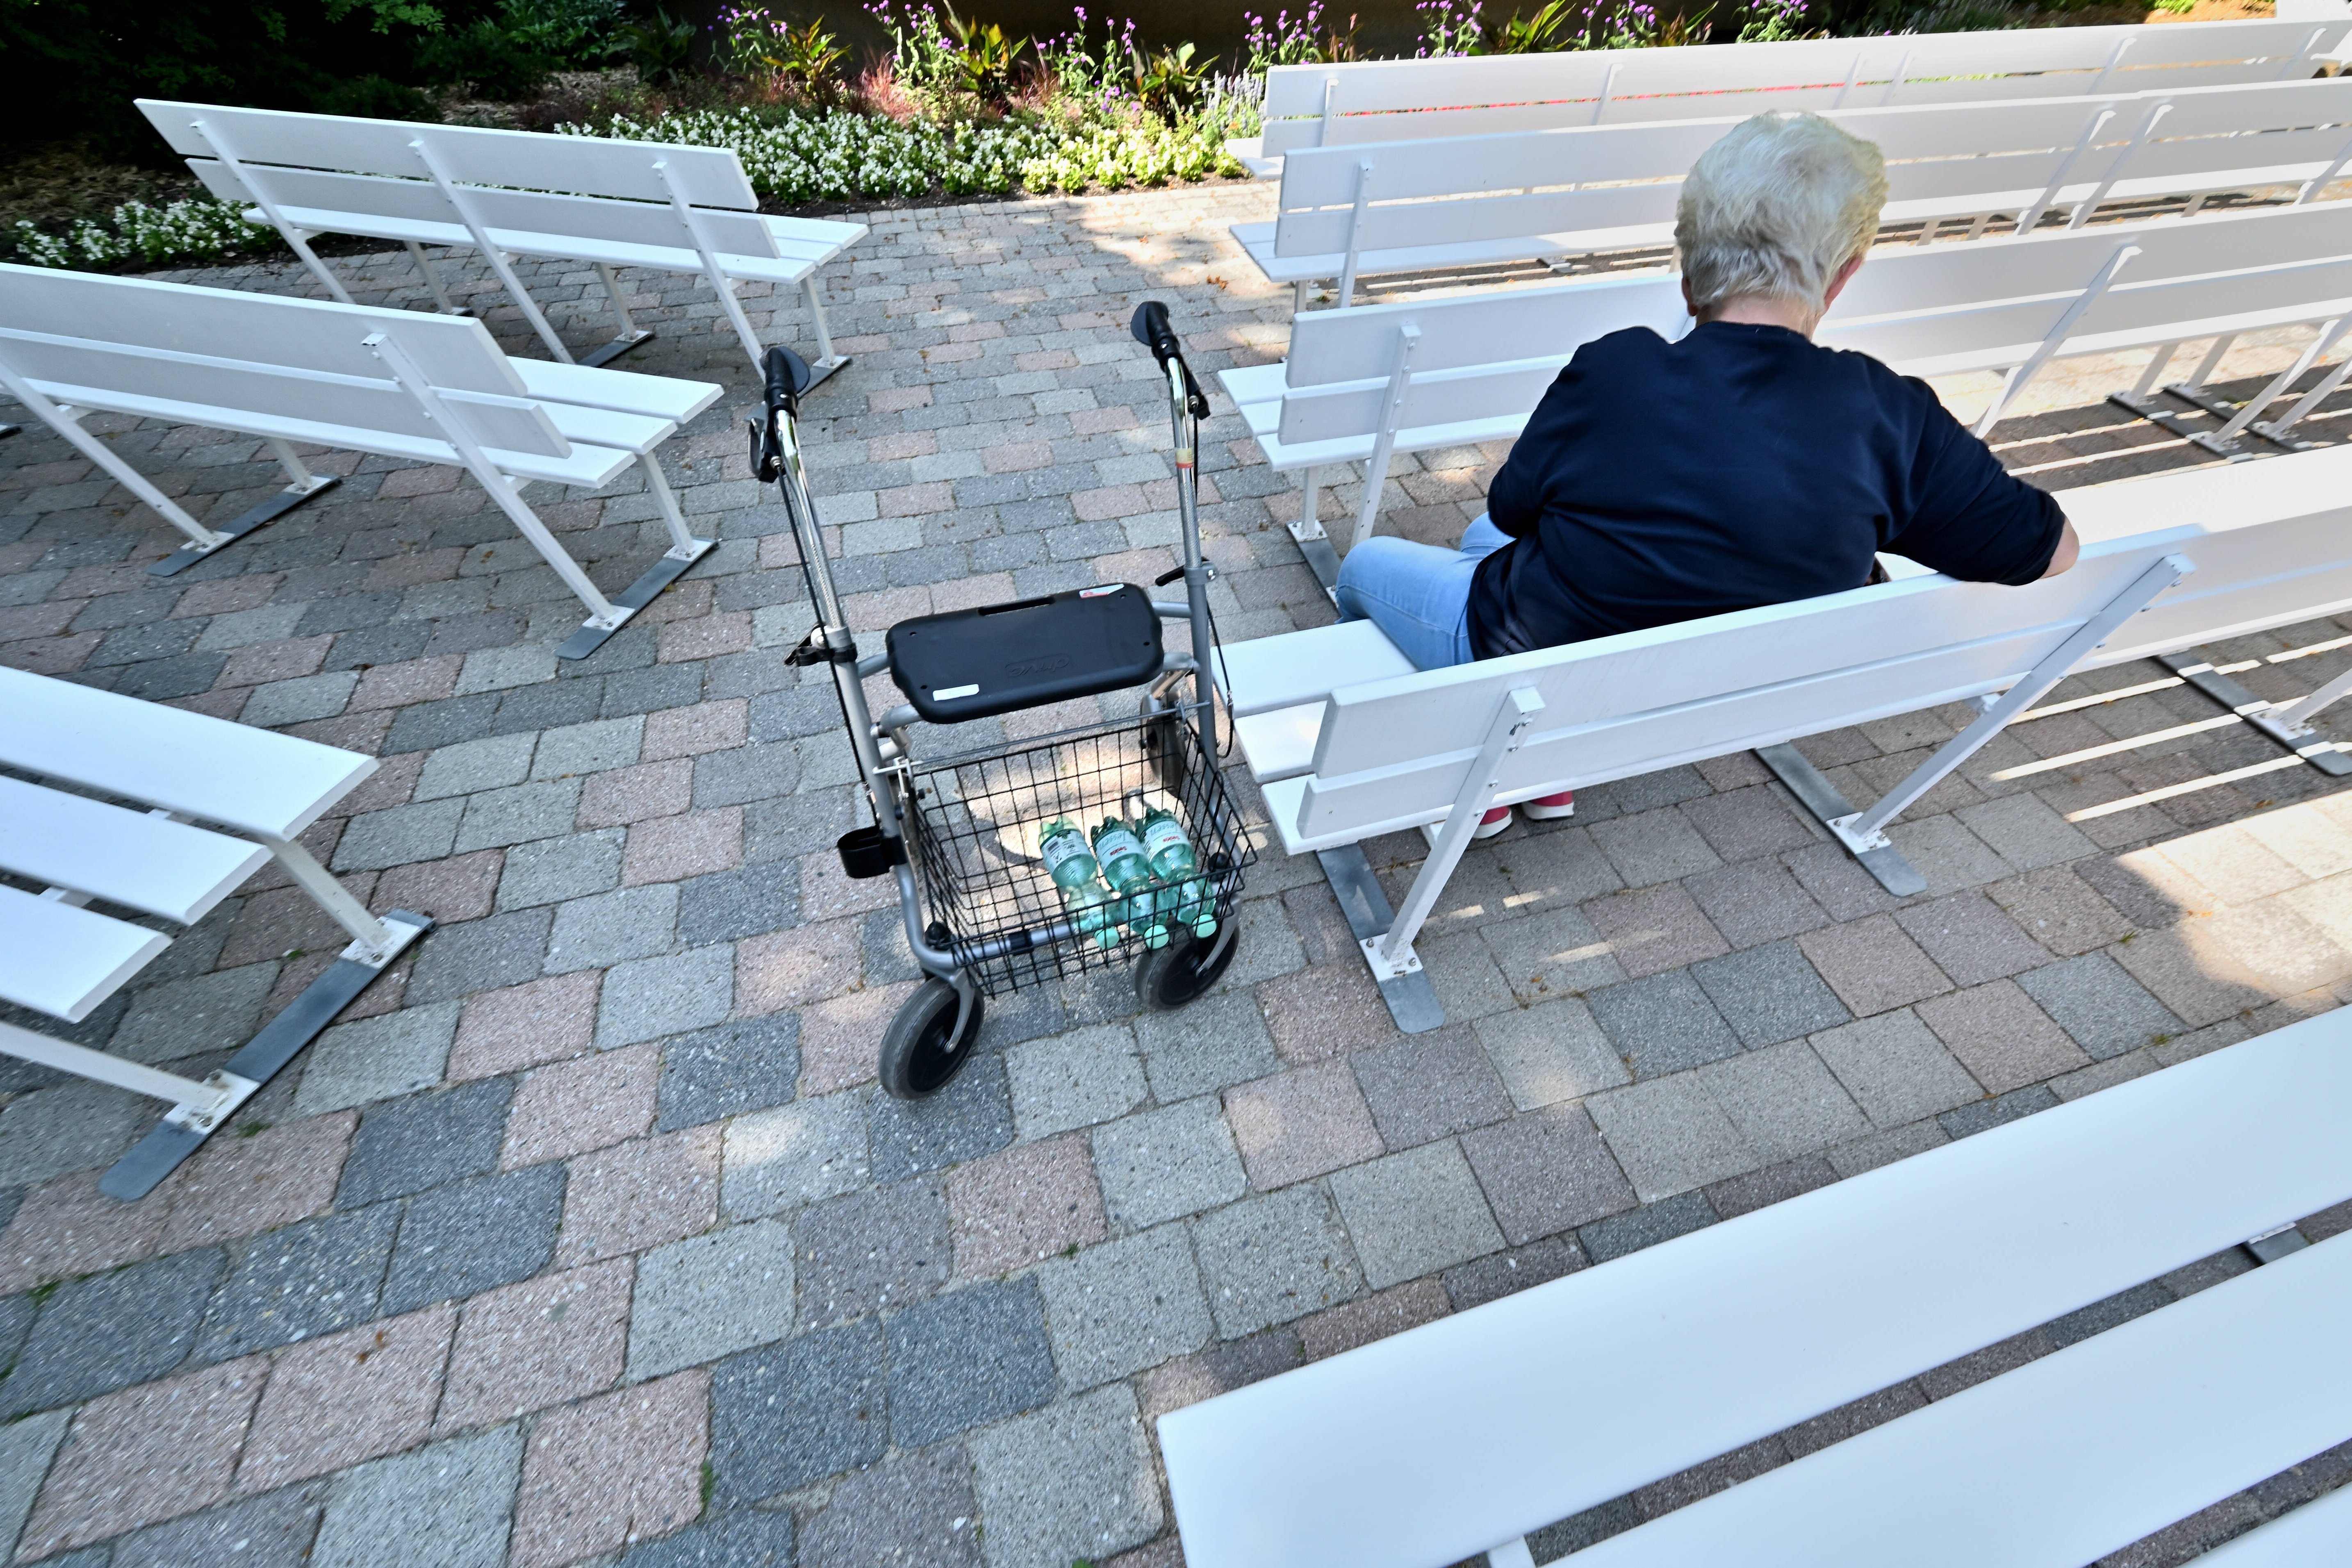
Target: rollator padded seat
{"type": "Point", "coordinates": [977, 663]}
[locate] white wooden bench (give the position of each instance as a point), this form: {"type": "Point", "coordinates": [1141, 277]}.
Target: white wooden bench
{"type": "Point", "coordinates": [1363, 385]}
{"type": "Point", "coordinates": [511, 192]}
{"type": "Point", "coordinates": [211, 803]}
{"type": "Point", "coordinates": [1373, 101]}
{"type": "Point", "coordinates": [1466, 1434]}
{"type": "Point", "coordinates": [399, 384]}
{"type": "Point", "coordinates": [1348, 742]}
{"type": "Point", "coordinates": [1349, 212]}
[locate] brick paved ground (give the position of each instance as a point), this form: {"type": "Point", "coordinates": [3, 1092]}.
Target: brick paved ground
{"type": "Point", "coordinates": [585, 1235]}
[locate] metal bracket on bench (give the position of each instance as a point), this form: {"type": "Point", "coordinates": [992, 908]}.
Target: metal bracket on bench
{"type": "Point", "coordinates": [1826, 802]}
{"type": "Point", "coordinates": [228, 533]}
{"type": "Point", "coordinates": [617, 347]}
{"type": "Point", "coordinates": [1411, 1001]}
{"type": "Point", "coordinates": [189, 1123]}
{"type": "Point", "coordinates": [1313, 543]}
{"type": "Point", "coordinates": [672, 565]}
{"type": "Point", "coordinates": [2281, 1241]}
{"type": "Point", "coordinates": [2285, 723]}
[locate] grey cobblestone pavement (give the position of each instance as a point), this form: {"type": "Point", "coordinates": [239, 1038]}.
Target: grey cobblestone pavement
{"type": "Point", "coordinates": [585, 1235]}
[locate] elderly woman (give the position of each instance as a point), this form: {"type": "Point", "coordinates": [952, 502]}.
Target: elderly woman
{"type": "Point", "coordinates": [1741, 464]}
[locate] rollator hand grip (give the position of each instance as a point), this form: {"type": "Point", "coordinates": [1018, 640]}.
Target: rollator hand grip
{"type": "Point", "coordinates": [1151, 330]}
{"type": "Point", "coordinates": [787, 376]}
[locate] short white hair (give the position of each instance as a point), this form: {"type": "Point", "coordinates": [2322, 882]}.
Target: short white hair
{"type": "Point", "coordinates": [1775, 208]}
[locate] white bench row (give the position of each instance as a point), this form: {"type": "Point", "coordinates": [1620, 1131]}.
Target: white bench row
{"type": "Point", "coordinates": [510, 192]}
{"type": "Point", "coordinates": [1372, 102]}
{"type": "Point", "coordinates": [1348, 742]}
{"type": "Point", "coordinates": [1467, 1434]}
{"type": "Point", "coordinates": [1411, 207]}
{"type": "Point", "coordinates": [398, 384]}
{"type": "Point", "coordinates": [1360, 385]}
{"type": "Point", "coordinates": [211, 803]}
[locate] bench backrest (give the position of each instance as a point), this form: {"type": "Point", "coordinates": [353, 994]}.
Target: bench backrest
{"type": "Point", "coordinates": [1491, 354]}
{"type": "Point", "coordinates": [1465, 189]}
{"type": "Point", "coordinates": [261, 355]}
{"type": "Point", "coordinates": [1397, 101]}
{"type": "Point", "coordinates": [2272, 544]}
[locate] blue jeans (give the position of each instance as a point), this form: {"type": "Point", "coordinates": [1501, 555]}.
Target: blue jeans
{"type": "Point", "coordinates": [1418, 593]}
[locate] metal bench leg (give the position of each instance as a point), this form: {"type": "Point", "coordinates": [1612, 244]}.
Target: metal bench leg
{"type": "Point", "coordinates": [827, 360]}
{"type": "Point", "coordinates": [302, 485]}
{"type": "Point", "coordinates": [2275, 430]}
{"type": "Point", "coordinates": [2289, 726]}
{"type": "Point", "coordinates": [1376, 469]}
{"type": "Point", "coordinates": [631, 335]}
{"type": "Point", "coordinates": [433, 280]}
{"type": "Point", "coordinates": [1863, 831]}
{"type": "Point", "coordinates": [683, 550]}
{"type": "Point", "coordinates": [2226, 443]}
{"type": "Point", "coordinates": [1313, 544]}
{"type": "Point", "coordinates": [2048, 349]}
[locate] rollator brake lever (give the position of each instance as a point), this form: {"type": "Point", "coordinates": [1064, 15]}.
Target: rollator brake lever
{"type": "Point", "coordinates": [766, 454]}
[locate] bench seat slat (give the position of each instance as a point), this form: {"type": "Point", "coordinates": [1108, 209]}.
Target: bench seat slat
{"type": "Point", "coordinates": [1275, 672]}
{"type": "Point", "coordinates": [2063, 1460]}
{"type": "Point", "coordinates": [1436, 1443]}
{"type": "Point", "coordinates": [256, 781]}
{"type": "Point", "coordinates": [63, 960]}
{"type": "Point", "coordinates": [622, 391]}
{"type": "Point", "coordinates": [126, 858]}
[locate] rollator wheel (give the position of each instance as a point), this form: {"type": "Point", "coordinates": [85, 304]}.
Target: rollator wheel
{"type": "Point", "coordinates": [920, 1050]}
{"type": "Point", "coordinates": [1173, 975]}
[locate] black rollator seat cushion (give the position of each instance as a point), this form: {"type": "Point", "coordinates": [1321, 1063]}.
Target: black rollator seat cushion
{"type": "Point", "coordinates": [974, 664]}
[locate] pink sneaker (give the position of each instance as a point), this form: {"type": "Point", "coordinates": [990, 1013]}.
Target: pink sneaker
{"type": "Point", "coordinates": [1543, 808]}
{"type": "Point", "coordinates": [1494, 821]}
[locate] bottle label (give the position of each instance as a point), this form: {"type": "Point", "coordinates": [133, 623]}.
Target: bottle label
{"type": "Point", "coordinates": [1164, 832]}
{"type": "Point", "coordinates": [1115, 844]}
{"type": "Point", "coordinates": [1060, 847]}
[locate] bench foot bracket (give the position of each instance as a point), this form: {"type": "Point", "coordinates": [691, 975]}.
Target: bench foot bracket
{"type": "Point", "coordinates": [268, 513]}
{"type": "Point", "coordinates": [1321, 558]}
{"type": "Point", "coordinates": [1823, 798]}
{"type": "Point", "coordinates": [2299, 738]}
{"type": "Point", "coordinates": [1411, 1001]}
{"type": "Point", "coordinates": [673, 565]}
{"type": "Point", "coordinates": [617, 348]}
{"type": "Point", "coordinates": [185, 1129]}
{"type": "Point", "coordinates": [821, 369]}
{"type": "Point", "coordinates": [2273, 1245]}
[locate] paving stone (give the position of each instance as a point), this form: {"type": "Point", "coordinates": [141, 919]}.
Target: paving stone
{"type": "Point", "coordinates": [1301, 1123]}
{"type": "Point", "coordinates": [728, 1070]}
{"type": "Point", "coordinates": [1074, 1080]}
{"type": "Point", "coordinates": [25, 1448]}
{"type": "Point", "coordinates": [786, 1415]}
{"type": "Point", "coordinates": [262, 1178]}
{"type": "Point", "coordinates": [639, 1194]}
{"type": "Point", "coordinates": [971, 1117]}
{"type": "Point", "coordinates": [1663, 1025]}
{"type": "Point", "coordinates": [576, 1107]}
{"type": "Point", "coordinates": [73, 1127]}
{"type": "Point", "coordinates": [1895, 1068]}
{"type": "Point", "coordinates": [1883, 1148]}
{"type": "Point", "coordinates": [1130, 1304]}
{"type": "Point", "coordinates": [1550, 1053]}
{"type": "Point", "coordinates": [1646, 1226]}
{"type": "Point", "coordinates": [1501, 1274]}
{"type": "Point", "coordinates": [700, 1298]}
{"type": "Point", "coordinates": [884, 1248]}
{"type": "Point", "coordinates": [443, 1506]}
{"type": "Point", "coordinates": [1744, 824]}
{"type": "Point", "coordinates": [300, 1280]}
{"type": "Point", "coordinates": [1429, 1086]}
{"type": "Point", "coordinates": [911, 1509]}
{"type": "Point", "coordinates": [2026, 832]}
{"type": "Point", "coordinates": [554, 869]}
{"type": "Point", "coordinates": [1755, 901]}
{"type": "Point", "coordinates": [1669, 1136]}
{"type": "Point", "coordinates": [1545, 1171]}
{"type": "Point", "coordinates": [2000, 1037]}
{"type": "Point", "coordinates": [294, 701]}
{"type": "Point", "coordinates": [748, 1536]}
{"type": "Point", "coordinates": [471, 767]}
{"type": "Point", "coordinates": [1784, 1101]}
{"type": "Point", "coordinates": [1215, 1042]}
{"type": "Point", "coordinates": [1415, 1213]}
{"type": "Point", "coordinates": [796, 1155]}
{"type": "Point", "coordinates": [600, 931]}
{"type": "Point", "coordinates": [1077, 1476]}
{"type": "Point", "coordinates": [108, 1331]}
{"type": "Point", "coordinates": [539, 1342]}
{"type": "Point", "coordinates": [1873, 966]}
{"type": "Point", "coordinates": [143, 1456]}
{"type": "Point", "coordinates": [522, 1026]}
{"type": "Point", "coordinates": [972, 1357]}
{"type": "Point", "coordinates": [1270, 1260]}
{"type": "Point", "coordinates": [475, 1235]}
{"type": "Point", "coordinates": [1653, 847]}
{"type": "Point", "coordinates": [1970, 939]}
{"type": "Point", "coordinates": [648, 998]}
{"type": "Point", "coordinates": [62, 1230]}
{"type": "Point", "coordinates": [216, 1012]}
{"type": "Point", "coordinates": [1220, 1369]}
{"type": "Point", "coordinates": [1325, 1010]}
{"type": "Point", "coordinates": [1550, 956]}
{"type": "Point", "coordinates": [1024, 1204]}
{"type": "Point", "coordinates": [1770, 994]}
{"type": "Point", "coordinates": [348, 1397]}
{"type": "Point", "coordinates": [405, 1146]}
{"type": "Point", "coordinates": [1980, 1115]}
{"type": "Point", "coordinates": [480, 955]}
{"type": "Point", "coordinates": [425, 831]}
{"type": "Point", "coordinates": [2059, 910]}
{"type": "Point", "coordinates": [2191, 974]}
{"type": "Point", "coordinates": [590, 748]}
{"type": "Point", "coordinates": [727, 906]}
{"type": "Point", "coordinates": [613, 1471]}
{"type": "Point", "coordinates": [1168, 1163]}
{"type": "Point", "coordinates": [2103, 1009]}
{"type": "Point", "coordinates": [1562, 867]}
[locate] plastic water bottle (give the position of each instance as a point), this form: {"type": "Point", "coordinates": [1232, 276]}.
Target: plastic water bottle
{"type": "Point", "coordinates": [1187, 900]}
{"type": "Point", "coordinates": [1128, 872]}
{"type": "Point", "coordinates": [1071, 864]}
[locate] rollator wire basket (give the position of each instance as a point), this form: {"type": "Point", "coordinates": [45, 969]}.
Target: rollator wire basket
{"type": "Point", "coordinates": [974, 821]}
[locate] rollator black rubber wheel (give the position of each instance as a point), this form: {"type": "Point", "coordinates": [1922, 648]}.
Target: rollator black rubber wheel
{"type": "Point", "coordinates": [920, 1050]}
{"type": "Point", "coordinates": [1173, 975]}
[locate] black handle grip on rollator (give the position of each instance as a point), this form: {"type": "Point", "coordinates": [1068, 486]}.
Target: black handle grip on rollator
{"type": "Point", "coordinates": [1151, 330]}
{"type": "Point", "coordinates": [786, 376]}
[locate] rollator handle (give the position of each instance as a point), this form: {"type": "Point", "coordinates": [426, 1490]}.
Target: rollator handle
{"type": "Point", "coordinates": [787, 376]}
{"type": "Point", "coordinates": [1151, 330]}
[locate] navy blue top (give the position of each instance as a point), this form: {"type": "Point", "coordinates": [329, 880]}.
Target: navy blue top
{"type": "Point", "coordinates": [1744, 465]}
